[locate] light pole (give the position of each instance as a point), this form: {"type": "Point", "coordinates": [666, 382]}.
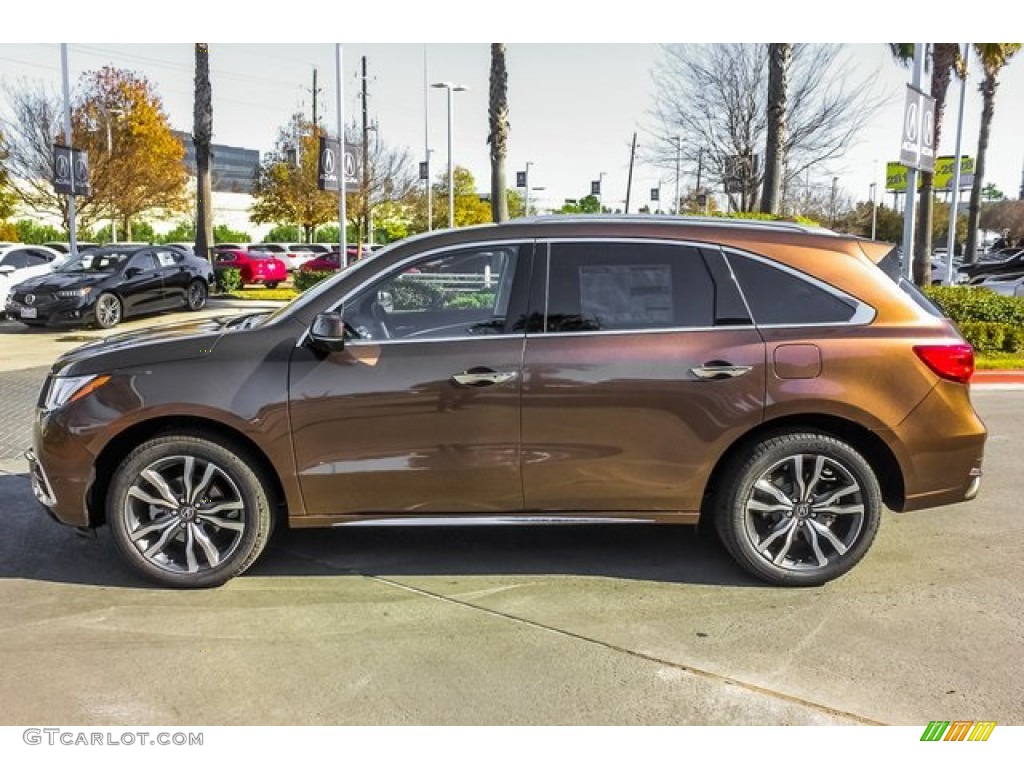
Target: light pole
{"type": "Point", "coordinates": [600, 191]}
{"type": "Point", "coordinates": [534, 189]}
{"type": "Point", "coordinates": [107, 114]}
{"type": "Point", "coordinates": [527, 193]}
{"type": "Point", "coordinates": [451, 178]}
{"type": "Point", "coordinates": [835, 182]}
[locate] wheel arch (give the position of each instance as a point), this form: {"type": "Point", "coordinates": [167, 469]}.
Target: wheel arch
{"type": "Point", "coordinates": [868, 444]}
{"type": "Point", "coordinates": [119, 447]}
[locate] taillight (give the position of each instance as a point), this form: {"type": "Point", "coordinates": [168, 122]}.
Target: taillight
{"type": "Point", "coordinates": [950, 361]}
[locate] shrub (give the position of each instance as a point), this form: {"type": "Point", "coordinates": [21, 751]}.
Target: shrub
{"type": "Point", "coordinates": [410, 294]}
{"type": "Point", "coordinates": [966, 305]}
{"type": "Point", "coordinates": [307, 278]}
{"type": "Point", "coordinates": [228, 279]}
{"type": "Point", "coordinates": [480, 300]}
{"type": "Point", "coordinates": [989, 338]}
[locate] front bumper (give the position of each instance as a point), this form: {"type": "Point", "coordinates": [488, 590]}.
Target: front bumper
{"type": "Point", "coordinates": [57, 312]}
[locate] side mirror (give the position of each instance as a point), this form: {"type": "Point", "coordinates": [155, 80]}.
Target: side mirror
{"type": "Point", "coordinates": [132, 272]}
{"type": "Point", "coordinates": [6, 269]}
{"type": "Point", "coordinates": [328, 332]}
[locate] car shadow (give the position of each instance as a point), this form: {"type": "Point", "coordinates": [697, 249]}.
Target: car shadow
{"type": "Point", "coordinates": [37, 548]}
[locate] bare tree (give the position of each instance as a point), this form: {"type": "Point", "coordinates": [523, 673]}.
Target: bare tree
{"type": "Point", "coordinates": [34, 127]}
{"type": "Point", "coordinates": [715, 97]}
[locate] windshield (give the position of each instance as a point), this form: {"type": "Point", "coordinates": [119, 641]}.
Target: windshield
{"type": "Point", "coordinates": [317, 290]}
{"type": "Point", "coordinates": [95, 261]}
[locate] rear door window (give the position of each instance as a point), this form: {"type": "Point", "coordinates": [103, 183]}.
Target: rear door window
{"type": "Point", "coordinates": [610, 286]}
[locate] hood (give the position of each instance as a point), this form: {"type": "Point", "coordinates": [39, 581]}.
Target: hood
{"type": "Point", "coordinates": [59, 281]}
{"type": "Point", "coordinates": [145, 347]}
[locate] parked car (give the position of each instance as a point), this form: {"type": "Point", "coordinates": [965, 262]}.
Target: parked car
{"type": "Point", "coordinates": [105, 285]}
{"type": "Point", "coordinates": [254, 266]}
{"type": "Point", "coordinates": [1009, 261]}
{"type": "Point", "coordinates": [782, 380]}
{"type": "Point", "coordinates": [65, 247]}
{"type": "Point", "coordinates": [19, 262]}
{"type": "Point", "coordinates": [1012, 285]}
{"type": "Point", "coordinates": [329, 262]}
{"type": "Point", "coordinates": [292, 256]}
{"type": "Point", "coordinates": [317, 248]}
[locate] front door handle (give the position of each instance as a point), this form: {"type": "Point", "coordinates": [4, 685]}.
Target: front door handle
{"type": "Point", "coordinates": [482, 377]}
{"type": "Point", "coordinates": [716, 370]}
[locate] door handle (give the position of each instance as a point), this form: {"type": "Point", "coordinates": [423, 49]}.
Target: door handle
{"type": "Point", "coordinates": [482, 377]}
{"type": "Point", "coordinates": [716, 370]}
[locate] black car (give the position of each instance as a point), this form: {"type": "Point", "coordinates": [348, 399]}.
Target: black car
{"type": "Point", "coordinates": [1005, 262]}
{"type": "Point", "coordinates": [102, 286]}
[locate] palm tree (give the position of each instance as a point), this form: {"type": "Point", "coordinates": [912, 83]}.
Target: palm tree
{"type": "Point", "coordinates": [780, 56]}
{"type": "Point", "coordinates": [993, 57]}
{"type": "Point", "coordinates": [498, 137]}
{"type": "Point", "coordinates": [202, 135]}
{"type": "Point", "coordinates": [946, 60]}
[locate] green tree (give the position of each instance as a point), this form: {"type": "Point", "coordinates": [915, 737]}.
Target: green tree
{"type": "Point", "coordinates": [287, 233]}
{"type": "Point", "coordinates": [497, 113]}
{"type": "Point", "coordinates": [182, 232]}
{"type": "Point", "coordinates": [993, 57]}
{"type": "Point", "coordinates": [136, 163]}
{"type": "Point", "coordinates": [7, 199]}
{"type": "Point", "coordinates": [285, 190]}
{"type": "Point", "coordinates": [469, 207]}
{"type": "Point", "coordinates": [222, 233]}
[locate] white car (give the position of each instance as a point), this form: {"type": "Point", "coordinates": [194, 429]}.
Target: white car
{"type": "Point", "coordinates": [19, 262]}
{"type": "Point", "coordinates": [1004, 285]}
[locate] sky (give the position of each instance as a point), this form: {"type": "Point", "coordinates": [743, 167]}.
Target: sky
{"type": "Point", "coordinates": [574, 103]}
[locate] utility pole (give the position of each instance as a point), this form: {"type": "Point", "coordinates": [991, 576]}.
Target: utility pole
{"type": "Point", "coordinates": [364, 229]}
{"type": "Point", "coordinates": [342, 212]}
{"type": "Point", "coordinates": [629, 180]}
{"type": "Point", "coordinates": [315, 91]}
{"type": "Point", "coordinates": [72, 236]}
{"type": "Point", "coordinates": [910, 203]}
{"type": "Point", "coordinates": [679, 150]}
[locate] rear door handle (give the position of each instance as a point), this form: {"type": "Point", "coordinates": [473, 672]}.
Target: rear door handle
{"type": "Point", "coordinates": [482, 377]}
{"type": "Point", "coordinates": [713, 371]}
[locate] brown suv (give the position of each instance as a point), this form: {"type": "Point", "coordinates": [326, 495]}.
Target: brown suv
{"type": "Point", "coordinates": [783, 380]}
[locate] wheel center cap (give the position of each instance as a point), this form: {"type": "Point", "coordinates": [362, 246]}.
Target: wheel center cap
{"type": "Point", "coordinates": [188, 514]}
{"type": "Point", "coordinates": [803, 509]}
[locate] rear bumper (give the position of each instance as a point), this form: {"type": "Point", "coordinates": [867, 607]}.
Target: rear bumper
{"type": "Point", "coordinates": [940, 447]}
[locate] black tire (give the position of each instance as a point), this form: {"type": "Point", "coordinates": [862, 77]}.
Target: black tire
{"type": "Point", "coordinates": [107, 311]}
{"type": "Point", "coordinates": [272, 284]}
{"type": "Point", "coordinates": [195, 297]}
{"type": "Point", "coordinates": [798, 532]}
{"type": "Point", "coordinates": [202, 541]}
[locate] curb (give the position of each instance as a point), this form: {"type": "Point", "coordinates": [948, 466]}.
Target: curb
{"type": "Point", "coordinates": [998, 379]}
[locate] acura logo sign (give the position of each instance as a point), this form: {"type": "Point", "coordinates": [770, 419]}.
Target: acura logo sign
{"type": "Point", "coordinates": [30, 299]}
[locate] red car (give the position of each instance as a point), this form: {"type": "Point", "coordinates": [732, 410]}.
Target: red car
{"type": "Point", "coordinates": [328, 262]}
{"type": "Point", "coordinates": [255, 266]}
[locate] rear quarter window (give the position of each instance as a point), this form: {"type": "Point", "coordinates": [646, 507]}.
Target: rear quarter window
{"type": "Point", "coordinates": [779, 297]}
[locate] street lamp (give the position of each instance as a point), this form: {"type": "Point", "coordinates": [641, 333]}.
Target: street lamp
{"type": "Point", "coordinates": [451, 178]}
{"type": "Point", "coordinates": [107, 114]}
{"type": "Point", "coordinates": [526, 211]}
{"type": "Point", "coordinates": [600, 191]}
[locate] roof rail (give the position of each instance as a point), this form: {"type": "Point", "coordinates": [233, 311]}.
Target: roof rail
{"type": "Point", "coordinates": [693, 221]}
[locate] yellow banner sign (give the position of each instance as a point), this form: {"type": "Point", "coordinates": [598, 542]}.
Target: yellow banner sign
{"type": "Point", "coordinates": [896, 174]}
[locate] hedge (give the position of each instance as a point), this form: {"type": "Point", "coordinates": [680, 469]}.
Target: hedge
{"type": "Point", "coordinates": [970, 304]}
{"type": "Point", "coordinates": [304, 278]}
{"type": "Point", "coordinates": [228, 279]}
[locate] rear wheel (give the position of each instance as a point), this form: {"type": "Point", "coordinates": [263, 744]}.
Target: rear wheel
{"type": "Point", "coordinates": [272, 284]}
{"type": "Point", "coordinates": [185, 511]}
{"type": "Point", "coordinates": [195, 299]}
{"type": "Point", "coordinates": [799, 509]}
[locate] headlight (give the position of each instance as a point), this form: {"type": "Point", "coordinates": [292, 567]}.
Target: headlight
{"type": "Point", "coordinates": [74, 293]}
{"type": "Point", "coordinates": [67, 389]}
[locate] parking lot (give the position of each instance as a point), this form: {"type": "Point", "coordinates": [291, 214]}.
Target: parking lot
{"type": "Point", "coordinates": [617, 625]}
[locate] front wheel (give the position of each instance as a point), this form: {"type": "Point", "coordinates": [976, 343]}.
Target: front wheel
{"type": "Point", "coordinates": [185, 511]}
{"type": "Point", "coordinates": [107, 311]}
{"type": "Point", "coordinates": [195, 299]}
{"type": "Point", "coordinates": [798, 509]}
